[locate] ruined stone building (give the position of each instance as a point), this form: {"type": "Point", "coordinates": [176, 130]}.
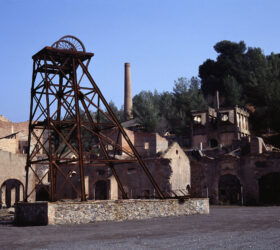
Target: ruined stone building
{"type": "Point", "coordinates": [13, 136]}
{"type": "Point", "coordinates": [228, 165]}
{"type": "Point", "coordinates": [169, 166]}
{"type": "Point", "coordinates": [222, 126]}
{"type": "Point", "coordinates": [13, 146]}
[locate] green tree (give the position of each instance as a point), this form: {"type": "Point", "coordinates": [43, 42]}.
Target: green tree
{"type": "Point", "coordinates": [237, 73]}
{"type": "Point", "coordinates": [233, 91]}
{"type": "Point", "coordinates": [119, 113]}
{"type": "Point", "coordinates": [169, 111]}
{"type": "Point", "coordinates": [246, 77]}
{"type": "Point", "coordinates": [186, 97]}
{"type": "Point", "coordinates": [146, 109]}
{"type": "Point", "coordinates": [267, 115]}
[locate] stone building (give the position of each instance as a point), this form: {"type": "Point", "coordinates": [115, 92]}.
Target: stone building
{"type": "Point", "coordinates": [13, 147]}
{"type": "Point", "coordinates": [219, 127]}
{"type": "Point", "coordinates": [169, 165]}
{"type": "Point", "coordinates": [228, 165]}
{"type": "Point", "coordinates": [12, 178]}
{"type": "Point", "coordinates": [13, 136]}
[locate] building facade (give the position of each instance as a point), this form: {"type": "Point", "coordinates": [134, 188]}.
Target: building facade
{"type": "Point", "coordinates": [228, 165]}
{"type": "Point", "coordinates": [219, 127]}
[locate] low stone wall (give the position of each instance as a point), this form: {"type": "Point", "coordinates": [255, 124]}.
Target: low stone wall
{"type": "Point", "coordinates": [92, 211]}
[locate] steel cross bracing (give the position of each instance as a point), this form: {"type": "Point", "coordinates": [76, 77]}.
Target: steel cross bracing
{"type": "Point", "coordinates": [69, 124]}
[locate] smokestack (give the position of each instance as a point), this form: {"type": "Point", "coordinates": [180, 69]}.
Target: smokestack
{"type": "Point", "coordinates": [217, 100]}
{"type": "Point", "coordinates": [127, 92]}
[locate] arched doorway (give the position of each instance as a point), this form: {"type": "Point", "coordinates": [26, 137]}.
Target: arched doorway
{"type": "Point", "coordinates": [11, 192]}
{"type": "Point", "coordinates": [269, 189]}
{"type": "Point", "coordinates": [229, 189]}
{"type": "Point", "coordinates": [101, 190]}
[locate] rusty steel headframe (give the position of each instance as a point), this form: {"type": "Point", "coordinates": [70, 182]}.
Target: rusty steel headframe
{"type": "Point", "coordinates": [67, 106]}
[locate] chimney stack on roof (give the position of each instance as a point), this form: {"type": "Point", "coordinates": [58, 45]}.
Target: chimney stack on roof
{"type": "Point", "coordinates": [127, 92]}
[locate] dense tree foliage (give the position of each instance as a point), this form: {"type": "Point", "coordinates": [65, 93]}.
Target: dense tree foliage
{"type": "Point", "coordinates": [119, 113]}
{"type": "Point", "coordinates": [236, 73]}
{"type": "Point", "coordinates": [169, 111]}
{"type": "Point", "coordinates": [245, 77]}
{"type": "Point", "coordinates": [146, 109]}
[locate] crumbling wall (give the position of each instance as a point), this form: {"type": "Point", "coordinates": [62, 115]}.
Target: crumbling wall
{"type": "Point", "coordinates": [134, 180]}
{"type": "Point", "coordinates": [197, 139]}
{"type": "Point", "coordinates": [17, 136]}
{"type": "Point", "coordinates": [12, 167]}
{"type": "Point", "coordinates": [137, 184]}
{"type": "Point", "coordinates": [248, 169]}
{"type": "Point", "coordinates": [161, 143]}
{"type": "Point", "coordinates": [124, 143]}
{"type": "Point", "coordinates": [227, 138]}
{"type": "Point", "coordinates": [197, 179]}
{"type": "Point", "coordinates": [145, 143]}
{"type": "Point", "coordinates": [257, 145]}
{"type": "Point", "coordinates": [180, 167]}
{"type": "Point", "coordinates": [9, 145]}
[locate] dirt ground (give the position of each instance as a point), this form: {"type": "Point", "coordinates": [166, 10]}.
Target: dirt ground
{"type": "Point", "coordinates": [223, 228]}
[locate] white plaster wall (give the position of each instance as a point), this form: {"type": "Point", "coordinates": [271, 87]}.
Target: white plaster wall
{"type": "Point", "coordinates": [12, 166]}
{"type": "Point", "coordinates": [9, 145]}
{"type": "Point", "coordinates": [180, 165]}
{"type": "Point", "coordinates": [161, 143]}
{"type": "Point", "coordinates": [113, 188]}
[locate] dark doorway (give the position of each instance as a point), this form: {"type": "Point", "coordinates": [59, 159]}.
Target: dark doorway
{"type": "Point", "coordinates": [269, 189]}
{"type": "Point", "coordinates": [101, 190]}
{"type": "Point", "coordinates": [229, 189]}
{"type": "Point", "coordinates": [213, 143]}
{"type": "Point", "coordinates": [42, 193]}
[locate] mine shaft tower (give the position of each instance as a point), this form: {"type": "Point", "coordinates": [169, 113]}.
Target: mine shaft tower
{"type": "Point", "coordinates": [69, 118]}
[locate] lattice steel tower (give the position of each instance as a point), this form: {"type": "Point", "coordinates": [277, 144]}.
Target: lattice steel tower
{"type": "Point", "coordinates": [69, 120]}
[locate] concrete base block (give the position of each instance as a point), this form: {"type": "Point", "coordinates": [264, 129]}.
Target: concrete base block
{"type": "Point", "coordinates": [31, 214]}
{"type": "Point", "coordinates": [43, 213]}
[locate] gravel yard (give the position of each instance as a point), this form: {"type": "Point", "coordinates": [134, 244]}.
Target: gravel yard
{"type": "Point", "coordinates": [224, 228]}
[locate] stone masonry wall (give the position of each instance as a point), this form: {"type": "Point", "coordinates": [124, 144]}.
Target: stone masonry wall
{"type": "Point", "coordinates": [78, 213]}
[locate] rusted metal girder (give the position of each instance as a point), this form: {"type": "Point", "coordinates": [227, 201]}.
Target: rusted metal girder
{"type": "Point", "coordinates": [67, 109]}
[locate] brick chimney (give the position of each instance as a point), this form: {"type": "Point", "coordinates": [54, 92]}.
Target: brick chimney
{"type": "Point", "coordinates": [127, 92]}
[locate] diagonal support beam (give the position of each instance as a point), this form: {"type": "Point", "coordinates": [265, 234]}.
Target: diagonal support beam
{"type": "Point", "coordinates": [141, 162]}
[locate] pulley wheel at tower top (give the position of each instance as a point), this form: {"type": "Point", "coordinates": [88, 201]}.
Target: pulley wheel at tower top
{"type": "Point", "coordinates": [69, 43]}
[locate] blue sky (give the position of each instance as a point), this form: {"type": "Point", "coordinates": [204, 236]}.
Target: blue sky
{"type": "Point", "coordinates": [162, 39]}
